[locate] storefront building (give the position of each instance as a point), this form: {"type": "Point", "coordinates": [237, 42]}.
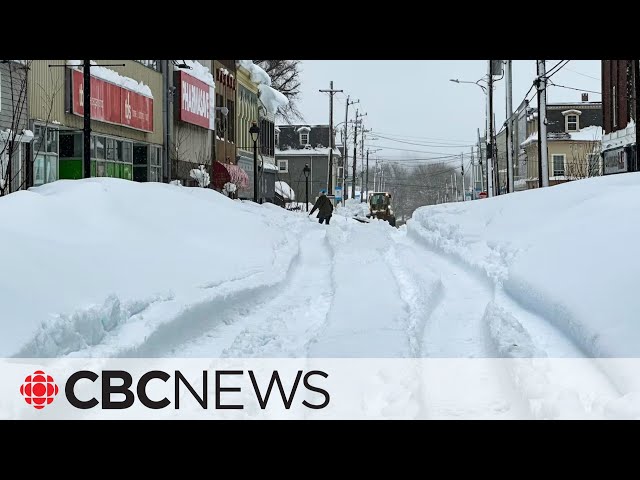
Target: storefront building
{"type": "Point", "coordinates": [247, 113]}
{"type": "Point", "coordinates": [126, 112]}
{"type": "Point", "coordinates": [194, 119]}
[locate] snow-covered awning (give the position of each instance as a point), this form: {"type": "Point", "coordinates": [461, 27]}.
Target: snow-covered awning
{"type": "Point", "coordinates": [198, 71]}
{"type": "Point", "coordinates": [284, 190]}
{"type": "Point", "coordinates": [225, 172]}
{"type": "Point", "coordinates": [114, 77]}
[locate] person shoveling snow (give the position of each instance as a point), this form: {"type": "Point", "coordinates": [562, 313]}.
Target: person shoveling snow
{"type": "Point", "coordinates": [324, 207]}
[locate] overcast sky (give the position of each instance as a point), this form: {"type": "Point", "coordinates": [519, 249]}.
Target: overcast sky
{"type": "Point", "coordinates": [416, 99]}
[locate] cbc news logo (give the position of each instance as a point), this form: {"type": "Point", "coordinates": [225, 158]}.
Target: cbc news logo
{"type": "Point", "coordinates": [39, 389]}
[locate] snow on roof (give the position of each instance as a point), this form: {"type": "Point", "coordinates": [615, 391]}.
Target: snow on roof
{"type": "Point", "coordinates": [307, 151]}
{"type": "Point", "coordinates": [584, 104]}
{"type": "Point", "coordinates": [589, 134]}
{"type": "Point", "coordinates": [592, 133]}
{"type": "Point", "coordinates": [277, 129]}
{"type": "Point", "coordinates": [198, 71]}
{"type": "Point", "coordinates": [114, 77]}
{"type": "Point", "coordinates": [304, 128]}
{"type": "Point", "coordinates": [271, 98]}
{"type": "Point", "coordinates": [566, 112]}
{"type": "Point", "coordinates": [531, 138]}
{"type": "Point", "coordinates": [307, 125]}
{"type": "Point", "coordinates": [256, 73]}
{"type": "Point", "coordinates": [270, 166]}
{"type": "Point", "coordinates": [284, 190]}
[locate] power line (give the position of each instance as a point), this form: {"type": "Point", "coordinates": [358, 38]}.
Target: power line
{"type": "Point", "coordinates": [376, 132]}
{"type": "Point", "coordinates": [548, 76]}
{"type": "Point", "coordinates": [426, 144]}
{"type": "Point", "coordinates": [551, 70]}
{"type": "Point", "coordinates": [410, 150]}
{"type": "Point", "coordinates": [583, 74]}
{"type": "Point", "coordinates": [578, 89]}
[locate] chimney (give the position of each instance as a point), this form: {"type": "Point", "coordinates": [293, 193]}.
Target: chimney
{"type": "Point", "coordinates": [585, 97]}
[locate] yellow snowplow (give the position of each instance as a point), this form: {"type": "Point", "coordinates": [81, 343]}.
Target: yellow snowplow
{"type": "Point", "coordinates": [380, 208]}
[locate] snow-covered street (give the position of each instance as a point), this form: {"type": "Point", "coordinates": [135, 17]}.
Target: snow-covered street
{"type": "Point", "coordinates": [449, 285]}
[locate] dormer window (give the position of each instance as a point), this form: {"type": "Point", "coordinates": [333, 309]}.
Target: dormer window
{"type": "Point", "coordinates": [304, 135]}
{"type": "Point", "coordinates": [571, 120]}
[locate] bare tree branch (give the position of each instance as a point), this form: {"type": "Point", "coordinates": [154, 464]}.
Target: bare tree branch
{"type": "Point", "coordinates": [285, 78]}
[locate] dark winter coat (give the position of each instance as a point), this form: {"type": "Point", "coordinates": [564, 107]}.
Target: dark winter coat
{"type": "Point", "coordinates": [324, 207]}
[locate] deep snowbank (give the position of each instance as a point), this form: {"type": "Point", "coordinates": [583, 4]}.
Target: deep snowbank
{"type": "Point", "coordinates": [81, 258]}
{"type": "Point", "coordinates": [567, 253]}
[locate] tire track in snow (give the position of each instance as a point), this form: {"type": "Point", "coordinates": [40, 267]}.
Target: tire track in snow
{"type": "Point", "coordinates": [553, 374]}
{"type": "Point", "coordinates": [420, 293]}
{"type": "Point", "coordinates": [281, 325]}
{"type": "Point", "coordinates": [456, 330]}
{"type": "Point", "coordinates": [286, 326]}
{"type": "Point", "coordinates": [517, 333]}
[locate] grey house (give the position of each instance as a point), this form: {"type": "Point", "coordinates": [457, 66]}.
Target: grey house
{"type": "Point", "coordinates": [14, 139]}
{"type": "Point", "coordinates": [300, 145]}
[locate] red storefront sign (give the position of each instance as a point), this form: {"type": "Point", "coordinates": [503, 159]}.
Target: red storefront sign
{"type": "Point", "coordinates": [112, 103]}
{"type": "Point", "coordinates": [197, 101]}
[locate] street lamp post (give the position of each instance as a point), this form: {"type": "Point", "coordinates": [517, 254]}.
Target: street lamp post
{"type": "Point", "coordinates": [306, 171]}
{"type": "Point", "coordinates": [255, 131]}
{"type": "Point", "coordinates": [488, 134]}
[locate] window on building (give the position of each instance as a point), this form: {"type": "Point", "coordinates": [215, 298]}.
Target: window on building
{"type": "Point", "coordinates": [304, 138]}
{"type": "Point", "coordinates": [154, 64]}
{"type": "Point", "coordinates": [71, 145]}
{"type": "Point", "coordinates": [46, 148]}
{"type": "Point", "coordinates": [594, 165]}
{"type": "Point", "coordinates": [127, 152]}
{"type": "Point", "coordinates": [100, 147]}
{"type": "Point", "coordinates": [283, 166]}
{"type": "Point", "coordinates": [558, 165]}
{"type": "Point", "coordinates": [111, 149]}
{"type": "Point", "coordinates": [220, 118]}
{"type": "Point", "coordinates": [572, 123]}
{"type": "Point", "coordinates": [614, 103]}
{"type": "Point", "coordinates": [118, 151]}
{"type": "Point", "coordinates": [155, 167]}
{"type": "Point", "coordinates": [231, 123]}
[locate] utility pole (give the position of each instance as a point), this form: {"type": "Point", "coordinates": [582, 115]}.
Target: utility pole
{"type": "Point", "coordinates": [480, 162]}
{"type": "Point", "coordinates": [374, 173]}
{"type": "Point", "coordinates": [355, 152]}
{"type": "Point", "coordinates": [462, 163]}
{"type": "Point", "coordinates": [636, 103]}
{"type": "Point", "coordinates": [455, 179]}
{"type": "Point", "coordinates": [489, 139]}
{"type": "Point", "coordinates": [86, 108]}
{"type": "Point", "coordinates": [543, 163]}
{"type": "Point", "coordinates": [362, 164]}
{"type": "Point", "coordinates": [375, 176]}
{"type": "Point", "coordinates": [355, 146]}
{"type": "Point", "coordinates": [331, 92]}
{"type": "Point", "coordinates": [345, 164]}
{"type": "Point", "coordinates": [86, 153]}
{"type": "Point", "coordinates": [509, 80]}
{"type": "Point", "coordinates": [367, 174]}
